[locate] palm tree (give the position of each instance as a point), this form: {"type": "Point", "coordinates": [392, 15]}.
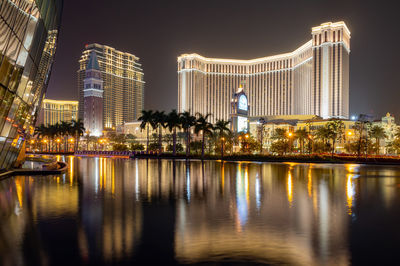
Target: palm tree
{"type": "Point", "coordinates": [173, 122]}
{"type": "Point", "coordinates": [147, 119]}
{"type": "Point", "coordinates": [77, 129]}
{"type": "Point", "coordinates": [335, 129]}
{"type": "Point", "coordinates": [187, 121]}
{"type": "Point", "coordinates": [301, 135]}
{"type": "Point", "coordinates": [159, 120]}
{"type": "Point", "coordinates": [205, 127]}
{"type": "Point", "coordinates": [64, 132]}
{"type": "Point", "coordinates": [222, 129]}
{"type": "Point", "coordinates": [41, 132]}
{"type": "Point", "coordinates": [377, 132]}
{"type": "Point", "coordinates": [323, 134]}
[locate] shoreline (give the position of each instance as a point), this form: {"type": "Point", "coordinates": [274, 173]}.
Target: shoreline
{"type": "Point", "coordinates": [283, 159]}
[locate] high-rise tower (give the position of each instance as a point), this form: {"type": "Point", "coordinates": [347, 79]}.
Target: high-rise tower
{"type": "Point", "coordinates": [93, 97]}
{"type": "Point", "coordinates": [330, 82]}
{"type": "Point", "coordinates": [123, 84]}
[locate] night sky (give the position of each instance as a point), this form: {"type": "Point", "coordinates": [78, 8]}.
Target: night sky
{"type": "Point", "coordinates": [158, 31]}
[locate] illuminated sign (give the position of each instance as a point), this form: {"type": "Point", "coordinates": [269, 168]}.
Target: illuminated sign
{"type": "Point", "coordinates": [243, 102]}
{"type": "Point", "coordinates": [241, 124]}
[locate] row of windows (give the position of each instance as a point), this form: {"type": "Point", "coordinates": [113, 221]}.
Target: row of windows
{"type": "Point", "coordinates": [331, 36]}
{"type": "Point", "coordinates": [237, 69]}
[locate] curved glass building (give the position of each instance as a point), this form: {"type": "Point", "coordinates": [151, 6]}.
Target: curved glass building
{"type": "Point", "coordinates": [28, 38]}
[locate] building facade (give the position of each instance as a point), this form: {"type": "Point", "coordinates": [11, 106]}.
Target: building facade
{"type": "Point", "coordinates": [123, 84]}
{"type": "Point", "coordinates": [28, 38]}
{"type": "Point", "coordinates": [93, 98]}
{"type": "Point", "coordinates": [55, 111]}
{"type": "Point", "coordinates": [312, 80]}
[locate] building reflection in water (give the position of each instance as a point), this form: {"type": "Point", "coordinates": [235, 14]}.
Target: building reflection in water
{"type": "Point", "coordinates": [268, 213]}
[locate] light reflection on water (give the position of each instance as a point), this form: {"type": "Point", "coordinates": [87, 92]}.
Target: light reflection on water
{"type": "Point", "coordinates": [106, 211]}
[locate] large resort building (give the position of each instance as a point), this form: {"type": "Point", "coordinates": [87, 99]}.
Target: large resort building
{"type": "Point", "coordinates": [123, 84]}
{"type": "Point", "coordinates": [312, 80]}
{"type": "Point", "coordinates": [57, 111]}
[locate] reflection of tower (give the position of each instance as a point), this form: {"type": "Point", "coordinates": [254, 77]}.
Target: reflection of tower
{"type": "Point", "coordinates": [239, 111]}
{"type": "Point", "coordinates": [93, 97]}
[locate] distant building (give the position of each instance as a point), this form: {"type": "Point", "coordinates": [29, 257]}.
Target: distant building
{"type": "Point", "coordinates": [390, 127]}
{"type": "Point", "coordinates": [57, 111]}
{"type": "Point", "coordinates": [123, 84]}
{"type": "Point", "coordinates": [93, 98]}
{"type": "Point", "coordinates": [312, 80]}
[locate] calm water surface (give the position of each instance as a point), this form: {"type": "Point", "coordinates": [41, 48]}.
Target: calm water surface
{"type": "Point", "coordinates": [117, 211]}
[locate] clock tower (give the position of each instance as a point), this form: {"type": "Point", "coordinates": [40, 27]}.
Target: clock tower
{"type": "Point", "coordinates": [239, 111]}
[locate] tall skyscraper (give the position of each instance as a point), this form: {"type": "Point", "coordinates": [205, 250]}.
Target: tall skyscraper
{"type": "Point", "coordinates": [56, 111]}
{"type": "Point", "coordinates": [93, 97]}
{"type": "Point", "coordinates": [312, 80]}
{"type": "Point", "coordinates": [123, 84]}
{"type": "Point", "coordinates": [28, 38]}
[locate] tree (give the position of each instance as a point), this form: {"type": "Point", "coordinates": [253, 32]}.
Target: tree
{"type": "Point", "coordinates": [147, 120]}
{"type": "Point", "coordinates": [65, 132]}
{"type": "Point", "coordinates": [205, 127]}
{"type": "Point", "coordinates": [178, 147]}
{"type": "Point", "coordinates": [322, 134]}
{"type": "Point", "coordinates": [196, 146]}
{"type": "Point", "coordinates": [280, 142]}
{"type": "Point", "coordinates": [77, 130]}
{"type": "Point", "coordinates": [279, 134]}
{"type": "Point", "coordinates": [377, 132]}
{"type": "Point", "coordinates": [280, 147]}
{"type": "Point", "coordinates": [301, 135]}
{"type": "Point", "coordinates": [249, 144]}
{"type": "Point", "coordinates": [222, 130]}
{"type": "Point", "coordinates": [187, 121]}
{"type": "Point", "coordinates": [173, 122]}
{"type": "Point", "coordinates": [335, 131]}
{"type": "Point", "coordinates": [137, 147]}
{"type": "Point", "coordinates": [159, 120]}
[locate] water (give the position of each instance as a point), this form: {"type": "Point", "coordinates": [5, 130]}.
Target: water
{"type": "Point", "coordinates": [118, 211]}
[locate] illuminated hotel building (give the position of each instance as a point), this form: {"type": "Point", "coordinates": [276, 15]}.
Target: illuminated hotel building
{"type": "Point", "coordinates": [28, 39]}
{"type": "Point", "coordinates": [123, 84]}
{"type": "Point", "coordinates": [312, 80]}
{"type": "Point", "coordinates": [54, 111]}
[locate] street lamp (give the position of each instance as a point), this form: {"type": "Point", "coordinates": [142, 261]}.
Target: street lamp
{"type": "Point", "coordinates": [290, 135]}
{"type": "Point", "coordinates": [58, 140]}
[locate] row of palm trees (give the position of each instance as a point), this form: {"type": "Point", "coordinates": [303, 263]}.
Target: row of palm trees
{"type": "Point", "coordinates": [327, 136]}
{"type": "Point", "coordinates": [186, 121]}
{"type": "Point", "coordinates": [61, 132]}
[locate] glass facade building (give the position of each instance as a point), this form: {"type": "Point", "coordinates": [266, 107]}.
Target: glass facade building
{"type": "Point", "coordinates": [28, 37]}
{"type": "Point", "coordinates": [311, 80]}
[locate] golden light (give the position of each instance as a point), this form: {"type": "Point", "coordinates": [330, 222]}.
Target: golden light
{"type": "Point", "coordinates": [310, 136]}
{"type": "Point", "coordinates": [44, 141]}
{"type": "Point", "coordinates": [290, 134]}
{"type": "Point", "coordinates": [246, 136]}
{"type": "Point", "coordinates": [32, 141]}
{"type": "Point", "coordinates": [223, 139]}
{"type": "Point", "coordinates": [58, 140]}
{"type": "Point", "coordinates": [349, 133]}
{"type": "Point", "coordinates": [71, 140]}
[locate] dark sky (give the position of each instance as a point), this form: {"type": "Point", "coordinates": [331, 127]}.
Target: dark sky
{"type": "Point", "coordinates": [158, 31]}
